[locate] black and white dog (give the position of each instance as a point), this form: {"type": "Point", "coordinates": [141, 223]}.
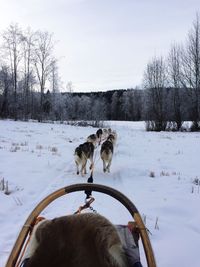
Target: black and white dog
{"type": "Point", "coordinates": [82, 153]}
{"type": "Point", "coordinates": [93, 139]}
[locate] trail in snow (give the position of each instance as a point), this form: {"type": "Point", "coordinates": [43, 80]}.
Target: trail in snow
{"type": "Point", "coordinates": [37, 159]}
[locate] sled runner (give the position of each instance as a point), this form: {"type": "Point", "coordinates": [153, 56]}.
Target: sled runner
{"type": "Point", "coordinates": [128, 235]}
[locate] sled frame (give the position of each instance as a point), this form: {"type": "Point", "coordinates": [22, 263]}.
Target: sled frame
{"type": "Point", "coordinates": [15, 253]}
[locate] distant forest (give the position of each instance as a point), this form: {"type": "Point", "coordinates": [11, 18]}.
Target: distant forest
{"type": "Point", "coordinates": [30, 85]}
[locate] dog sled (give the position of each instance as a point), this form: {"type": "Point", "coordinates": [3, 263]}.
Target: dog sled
{"type": "Point", "coordinates": [129, 235]}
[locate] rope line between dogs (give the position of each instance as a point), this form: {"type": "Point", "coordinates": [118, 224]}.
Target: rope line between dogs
{"type": "Point", "coordinates": [90, 179]}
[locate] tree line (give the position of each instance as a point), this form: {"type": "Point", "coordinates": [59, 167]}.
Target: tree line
{"type": "Point", "coordinates": [27, 67]}
{"type": "Point", "coordinates": [173, 85]}
{"type": "Point", "coordinates": [29, 85]}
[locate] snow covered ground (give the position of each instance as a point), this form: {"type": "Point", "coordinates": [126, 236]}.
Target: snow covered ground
{"type": "Point", "coordinates": [155, 170]}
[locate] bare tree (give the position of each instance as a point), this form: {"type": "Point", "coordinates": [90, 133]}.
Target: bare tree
{"type": "Point", "coordinates": [155, 80]}
{"type": "Point", "coordinates": [43, 61]}
{"type": "Point", "coordinates": [54, 77]}
{"type": "Point", "coordinates": [54, 83]}
{"type": "Point", "coordinates": [12, 40]}
{"type": "Point", "coordinates": [175, 78]}
{"type": "Point", "coordinates": [5, 84]}
{"type": "Point", "coordinates": [28, 46]}
{"type": "Point", "coordinates": [191, 70]}
{"type": "Point", "coordinates": [69, 87]}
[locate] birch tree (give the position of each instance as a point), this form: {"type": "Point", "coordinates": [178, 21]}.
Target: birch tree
{"type": "Point", "coordinates": [43, 61]}
{"type": "Point", "coordinates": [28, 49]}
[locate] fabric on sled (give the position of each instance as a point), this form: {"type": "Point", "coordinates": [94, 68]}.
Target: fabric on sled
{"type": "Point", "coordinates": [130, 245]}
{"type": "Point", "coordinates": [80, 240]}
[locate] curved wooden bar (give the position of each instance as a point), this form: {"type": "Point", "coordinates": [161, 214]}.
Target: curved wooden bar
{"type": "Point", "coordinates": [81, 187]}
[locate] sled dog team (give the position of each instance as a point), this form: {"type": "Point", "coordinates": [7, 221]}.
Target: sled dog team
{"type": "Point", "coordinates": [85, 151]}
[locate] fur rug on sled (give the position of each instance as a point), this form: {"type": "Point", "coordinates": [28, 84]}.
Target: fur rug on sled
{"type": "Point", "coordinates": [82, 240]}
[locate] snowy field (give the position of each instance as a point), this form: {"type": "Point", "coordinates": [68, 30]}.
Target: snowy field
{"type": "Point", "coordinates": [157, 171]}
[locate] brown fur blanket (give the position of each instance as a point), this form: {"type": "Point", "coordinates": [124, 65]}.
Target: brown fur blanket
{"type": "Point", "coordinates": [84, 240]}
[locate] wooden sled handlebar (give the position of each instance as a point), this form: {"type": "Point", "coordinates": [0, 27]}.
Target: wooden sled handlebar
{"type": "Point", "coordinates": [14, 255]}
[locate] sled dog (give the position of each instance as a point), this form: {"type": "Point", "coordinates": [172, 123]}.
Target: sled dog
{"type": "Point", "coordinates": [107, 153]}
{"type": "Point", "coordinates": [99, 134]}
{"type": "Point", "coordinates": [112, 138]}
{"type": "Point", "coordinates": [92, 139]}
{"type": "Point", "coordinates": [105, 133]}
{"type": "Point", "coordinates": [82, 153]}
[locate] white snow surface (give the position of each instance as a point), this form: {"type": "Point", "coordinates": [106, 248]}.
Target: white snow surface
{"type": "Point", "coordinates": [37, 158]}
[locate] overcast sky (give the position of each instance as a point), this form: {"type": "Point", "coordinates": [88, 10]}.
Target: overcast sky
{"type": "Point", "coordinates": [104, 44]}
